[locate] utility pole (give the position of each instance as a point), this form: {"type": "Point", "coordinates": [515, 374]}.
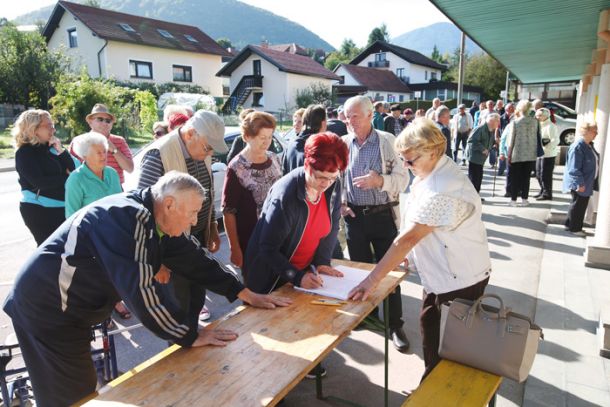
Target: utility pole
{"type": "Point", "coordinates": [506, 87]}
{"type": "Point", "coordinates": [460, 94]}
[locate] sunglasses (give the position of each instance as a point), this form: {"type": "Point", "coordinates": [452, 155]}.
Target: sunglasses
{"type": "Point", "coordinates": [103, 120]}
{"type": "Point", "coordinates": [409, 162]}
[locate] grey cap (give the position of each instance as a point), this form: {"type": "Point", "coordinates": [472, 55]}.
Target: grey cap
{"type": "Point", "coordinates": [462, 106]}
{"type": "Point", "coordinates": [210, 125]}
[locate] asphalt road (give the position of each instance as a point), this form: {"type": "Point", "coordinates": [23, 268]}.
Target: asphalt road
{"type": "Point", "coordinates": [17, 244]}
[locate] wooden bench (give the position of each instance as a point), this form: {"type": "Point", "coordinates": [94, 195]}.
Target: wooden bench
{"type": "Point", "coordinates": [454, 384]}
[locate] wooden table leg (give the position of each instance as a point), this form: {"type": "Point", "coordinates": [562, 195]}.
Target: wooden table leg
{"type": "Point", "coordinates": [386, 330]}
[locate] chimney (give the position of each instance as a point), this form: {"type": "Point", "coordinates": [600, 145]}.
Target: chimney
{"type": "Point", "coordinates": [264, 44]}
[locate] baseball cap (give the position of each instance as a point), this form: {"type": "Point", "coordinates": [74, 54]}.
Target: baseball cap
{"type": "Point", "coordinates": [210, 125]}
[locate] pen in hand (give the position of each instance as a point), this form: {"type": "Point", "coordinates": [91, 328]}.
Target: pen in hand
{"type": "Point", "coordinates": [311, 280]}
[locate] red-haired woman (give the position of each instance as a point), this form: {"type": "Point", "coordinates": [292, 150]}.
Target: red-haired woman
{"type": "Point", "coordinates": [297, 230]}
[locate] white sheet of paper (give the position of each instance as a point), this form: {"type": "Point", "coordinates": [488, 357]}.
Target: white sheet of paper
{"type": "Point", "coordinates": [339, 287]}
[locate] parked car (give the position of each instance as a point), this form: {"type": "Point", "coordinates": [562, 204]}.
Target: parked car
{"type": "Point", "coordinates": [219, 165]}
{"type": "Point", "coordinates": [565, 119]}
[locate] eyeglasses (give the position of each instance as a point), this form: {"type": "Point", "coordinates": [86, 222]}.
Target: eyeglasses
{"type": "Point", "coordinates": [160, 133]}
{"type": "Point", "coordinates": [409, 162]}
{"type": "Point", "coordinates": [207, 148]}
{"type": "Point", "coordinates": [103, 120]}
{"type": "Point", "coordinates": [322, 178]}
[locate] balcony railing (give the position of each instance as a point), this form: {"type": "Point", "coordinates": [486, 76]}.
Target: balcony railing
{"type": "Point", "coordinates": [379, 64]}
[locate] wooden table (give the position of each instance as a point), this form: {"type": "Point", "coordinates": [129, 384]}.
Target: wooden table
{"type": "Point", "coordinates": [274, 351]}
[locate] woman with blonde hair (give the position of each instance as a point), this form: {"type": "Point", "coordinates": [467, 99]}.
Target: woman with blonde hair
{"type": "Point", "coordinates": [443, 233]}
{"type": "Point", "coordinates": [522, 148]}
{"type": "Point", "coordinates": [580, 176]}
{"type": "Point", "coordinates": [43, 166]}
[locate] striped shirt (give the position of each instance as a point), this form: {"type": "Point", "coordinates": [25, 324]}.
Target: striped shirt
{"type": "Point", "coordinates": [362, 159]}
{"type": "Point", "coordinates": [151, 169]}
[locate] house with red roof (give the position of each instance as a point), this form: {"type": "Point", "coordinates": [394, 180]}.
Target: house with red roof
{"type": "Point", "coordinates": [268, 79]}
{"type": "Point", "coordinates": [133, 48]}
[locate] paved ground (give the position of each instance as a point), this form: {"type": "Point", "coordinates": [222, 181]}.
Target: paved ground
{"type": "Point", "coordinates": [538, 269]}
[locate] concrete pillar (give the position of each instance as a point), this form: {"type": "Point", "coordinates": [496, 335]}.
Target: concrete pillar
{"type": "Point", "coordinates": [597, 253]}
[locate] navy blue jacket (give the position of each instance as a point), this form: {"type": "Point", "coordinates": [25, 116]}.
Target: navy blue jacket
{"type": "Point", "coordinates": [294, 157]}
{"type": "Point", "coordinates": [581, 165]}
{"type": "Point", "coordinates": [279, 231]}
{"type": "Point", "coordinates": [105, 252]}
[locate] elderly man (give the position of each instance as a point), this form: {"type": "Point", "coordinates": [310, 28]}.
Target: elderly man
{"type": "Point", "coordinates": [394, 123]}
{"type": "Point", "coordinates": [505, 120]}
{"type": "Point", "coordinates": [189, 149]}
{"type": "Point", "coordinates": [378, 116]}
{"type": "Point", "coordinates": [104, 252]}
{"type": "Point", "coordinates": [119, 156]}
{"type": "Point", "coordinates": [442, 115]}
{"type": "Point", "coordinates": [373, 180]}
{"type": "Point", "coordinates": [489, 108]}
{"type": "Point", "coordinates": [461, 126]}
{"type": "Point", "coordinates": [479, 145]}
{"type": "Point", "coordinates": [436, 102]}
{"type": "Point", "coordinates": [333, 124]}
{"type": "Point", "coordinates": [499, 107]}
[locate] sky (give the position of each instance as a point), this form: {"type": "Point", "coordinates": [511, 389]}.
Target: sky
{"type": "Point", "coordinates": [330, 19]}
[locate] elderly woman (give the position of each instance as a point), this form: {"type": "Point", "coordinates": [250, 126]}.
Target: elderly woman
{"type": "Point", "coordinates": [580, 176]}
{"type": "Point", "coordinates": [522, 150]}
{"type": "Point", "coordinates": [478, 147]}
{"type": "Point", "coordinates": [94, 179]}
{"type": "Point", "coordinates": [444, 233]}
{"type": "Point", "coordinates": [249, 178]}
{"type": "Point", "coordinates": [159, 130]}
{"type": "Point", "coordinates": [43, 166]}
{"type": "Point", "coordinates": [545, 165]}
{"type": "Point", "coordinates": [297, 229]}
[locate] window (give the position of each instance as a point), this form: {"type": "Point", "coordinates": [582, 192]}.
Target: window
{"type": "Point", "coordinates": [433, 76]}
{"type": "Point", "coordinates": [391, 98]}
{"type": "Point", "coordinates": [342, 81]}
{"type": "Point", "coordinates": [400, 72]}
{"type": "Point", "coordinates": [164, 33]}
{"type": "Point", "coordinates": [190, 38]}
{"type": "Point", "coordinates": [426, 77]}
{"type": "Point", "coordinates": [139, 69]}
{"type": "Point", "coordinates": [182, 73]}
{"type": "Point", "coordinates": [256, 67]}
{"type": "Point", "coordinates": [257, 99]}
{"type": "Point", "coordinates": [401, 98]}
{"type": "Point", "coordinates": [72, 38]}
{"type": "Point", "coordinates": [127, 27]}
{"type": "Point", "coordinates": [380, 57]}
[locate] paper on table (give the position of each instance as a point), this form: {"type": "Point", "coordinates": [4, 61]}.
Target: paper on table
{"type": "Point", "coordinates": [339, 287]}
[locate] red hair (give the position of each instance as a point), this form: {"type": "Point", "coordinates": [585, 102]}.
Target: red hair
{"type": "Point", "coordinates": [176, 120]}
{"type": "Point", "coordinates": [326, 152]}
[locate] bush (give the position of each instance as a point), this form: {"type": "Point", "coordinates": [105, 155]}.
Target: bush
{"type": "Point", "coordinates": [159, 89]}
{"type": "Point", "coordinates": [136, 110]}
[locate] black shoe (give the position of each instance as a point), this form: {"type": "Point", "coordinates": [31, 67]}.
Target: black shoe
{"type": "Point", "coordinates": [544, 198]}
{"type": "Point", "coordinates": [312, 373]}
{"type": "Point", "coordinates": [399, 339]}
{"type": "Point", "coordinates": [482, 199]}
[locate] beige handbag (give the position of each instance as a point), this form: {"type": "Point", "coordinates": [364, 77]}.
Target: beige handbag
{"type": "Point", "coordinates": [495, 340]}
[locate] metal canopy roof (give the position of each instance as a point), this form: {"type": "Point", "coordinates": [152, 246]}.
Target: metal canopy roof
{"type": "Point", "coordinates": [538, 41]}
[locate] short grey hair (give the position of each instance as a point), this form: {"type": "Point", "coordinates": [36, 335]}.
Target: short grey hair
{"type": "Point", "coordinates": [543, 112]}
{"type": "Point", "coordinates": [441, 110]}
{"type": "Point", "coordinates": [175, 183]}
{"type": "Point", "coordinates": [360, 100]}
{"type": "Point", "coordinates": [492, 116]}
{"type": "Point", "coordinates": [83, 145]}
{"type": "Point", "coordinates": [174, 108]}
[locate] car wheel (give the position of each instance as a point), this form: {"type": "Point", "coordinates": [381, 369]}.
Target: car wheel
{"type": "Point", "coordinates": [567, 137]}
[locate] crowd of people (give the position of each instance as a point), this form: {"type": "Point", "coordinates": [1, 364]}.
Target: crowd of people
{"type": "Point", "coordinates": [151, 247]}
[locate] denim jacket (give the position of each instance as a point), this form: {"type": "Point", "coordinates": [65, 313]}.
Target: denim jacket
{"type": "Point", "coordinates": [581, 168]}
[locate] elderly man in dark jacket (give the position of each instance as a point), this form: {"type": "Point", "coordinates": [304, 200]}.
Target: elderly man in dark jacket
{"type": "Point", "coordinates": [394, 123]}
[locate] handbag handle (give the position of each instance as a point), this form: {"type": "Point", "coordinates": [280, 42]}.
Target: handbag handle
{"type": "Point", "coordinates": [478, 306]}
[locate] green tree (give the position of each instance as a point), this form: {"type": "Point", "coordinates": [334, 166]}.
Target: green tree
{"type": "Point", "coordinates": [224, 42]}
{"type": "Point", "coordinates": [379, 34]}
{"type": "Point", "coordinates": [487, 73]}
{"type": "Point", "coordinates": [436, 55]}
{"type": "Point", "coordinates": [316, 93]}
{"type": "Point", "coordinates": [136, 110]}
{"type": "Point", "coordinates": [92, 3]}
{"type": "Point", "coordinates": [347, 51]}
{"type": "Point", "coordinates": [28, 70]}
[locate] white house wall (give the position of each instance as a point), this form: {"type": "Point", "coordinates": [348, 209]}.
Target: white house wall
{"type": "Point", "coordinates": [85, 54]}
{"type": "Point", "coordinates": [415, 73]}
{"type": "Point", "coordinates": [301, 82]}
{"type": "Point", "coordinates": [204, 66]}
{"type": "Point", "coordinates": [348, 78]}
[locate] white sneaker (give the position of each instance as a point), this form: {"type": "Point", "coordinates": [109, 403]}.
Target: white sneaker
{"type": "Point", "coordinates": [512, 203]}
{"type": "Point", "coordinates": [204, 315]}
{"type": "Point", "coordinates": [524, 202]}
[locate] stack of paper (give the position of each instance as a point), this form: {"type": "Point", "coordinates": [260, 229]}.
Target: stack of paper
{"type": "Point", "coordinates": [339, 287]}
